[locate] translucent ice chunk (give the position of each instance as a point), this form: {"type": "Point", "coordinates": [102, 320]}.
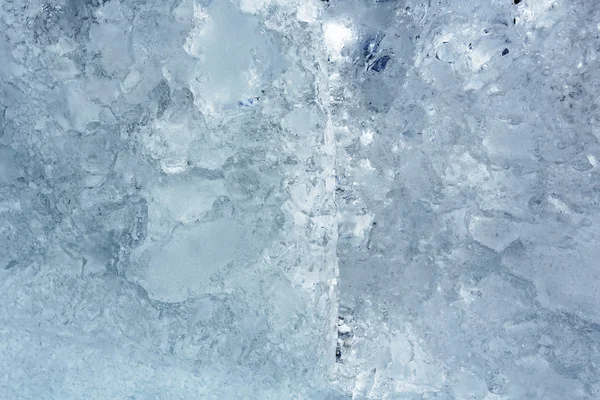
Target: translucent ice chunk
{"type": "Point", "coordinates": [495, 233]}
{"type": "Point", "coordinates": [188, 263]}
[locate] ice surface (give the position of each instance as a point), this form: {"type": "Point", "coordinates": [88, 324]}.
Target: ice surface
{"type": "Point", "coordinates": [180, 181]}
{"type": "Point", "coordinates": [168, 224]}
{"type": "Point", "coordinates": [477, 277]}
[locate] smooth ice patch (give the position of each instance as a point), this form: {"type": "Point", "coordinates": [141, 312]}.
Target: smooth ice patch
{"type": "Point", "coordinates": [233, 54]}
{"type": "Point", "coordinates": [495, 233]}
{"type": "Point", "coordinates": [190, 263]}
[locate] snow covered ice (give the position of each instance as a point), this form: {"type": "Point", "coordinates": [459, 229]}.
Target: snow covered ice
{"type": "Point", "coordinates": [299, 199]}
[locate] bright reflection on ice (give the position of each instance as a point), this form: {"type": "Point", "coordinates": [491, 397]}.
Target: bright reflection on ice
{"type": "Point", "coordinates": [337, 35]}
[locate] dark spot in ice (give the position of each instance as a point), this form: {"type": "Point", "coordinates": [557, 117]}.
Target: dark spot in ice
{"type": "Point", "coordinates": [517, 1]}
{"type": "Point", "coordinates": [338, 353]}
{"type": "Point", "coordinates": [161, 94]}
{"type": "Point", "coordinates": [10, 264]}
{"type": "Point", "coordinates": [247, 103]}
{"type": "Point", "coordinates": [504, 52]}
{"type": "Point", "coordinates": [537, 202]}
{"type": "Point", "coordinates": [380, 64]}
{"type": "Point", "coordinates": [581, 164]}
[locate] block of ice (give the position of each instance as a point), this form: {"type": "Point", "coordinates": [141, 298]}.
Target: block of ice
{"type": "Point", "coordinates": [180, 179]}
{"type": "Point", "coordinates": [479, 248]}
{"type": "Point", "coordinates": [167, 201]}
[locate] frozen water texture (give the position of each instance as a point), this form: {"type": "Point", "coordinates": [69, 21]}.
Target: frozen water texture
{"type": "Point", "coordinates": [168, 225]}
{"type": "Point", "coordinates": [477, 276]}
{"type": "Point", "coordinates": [180, 181]}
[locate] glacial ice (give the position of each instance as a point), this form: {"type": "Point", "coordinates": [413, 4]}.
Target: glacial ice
{"type": "Point", "coordinates": [299, 199]}
{"type": "Point", "coordinates": [477, 278]}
